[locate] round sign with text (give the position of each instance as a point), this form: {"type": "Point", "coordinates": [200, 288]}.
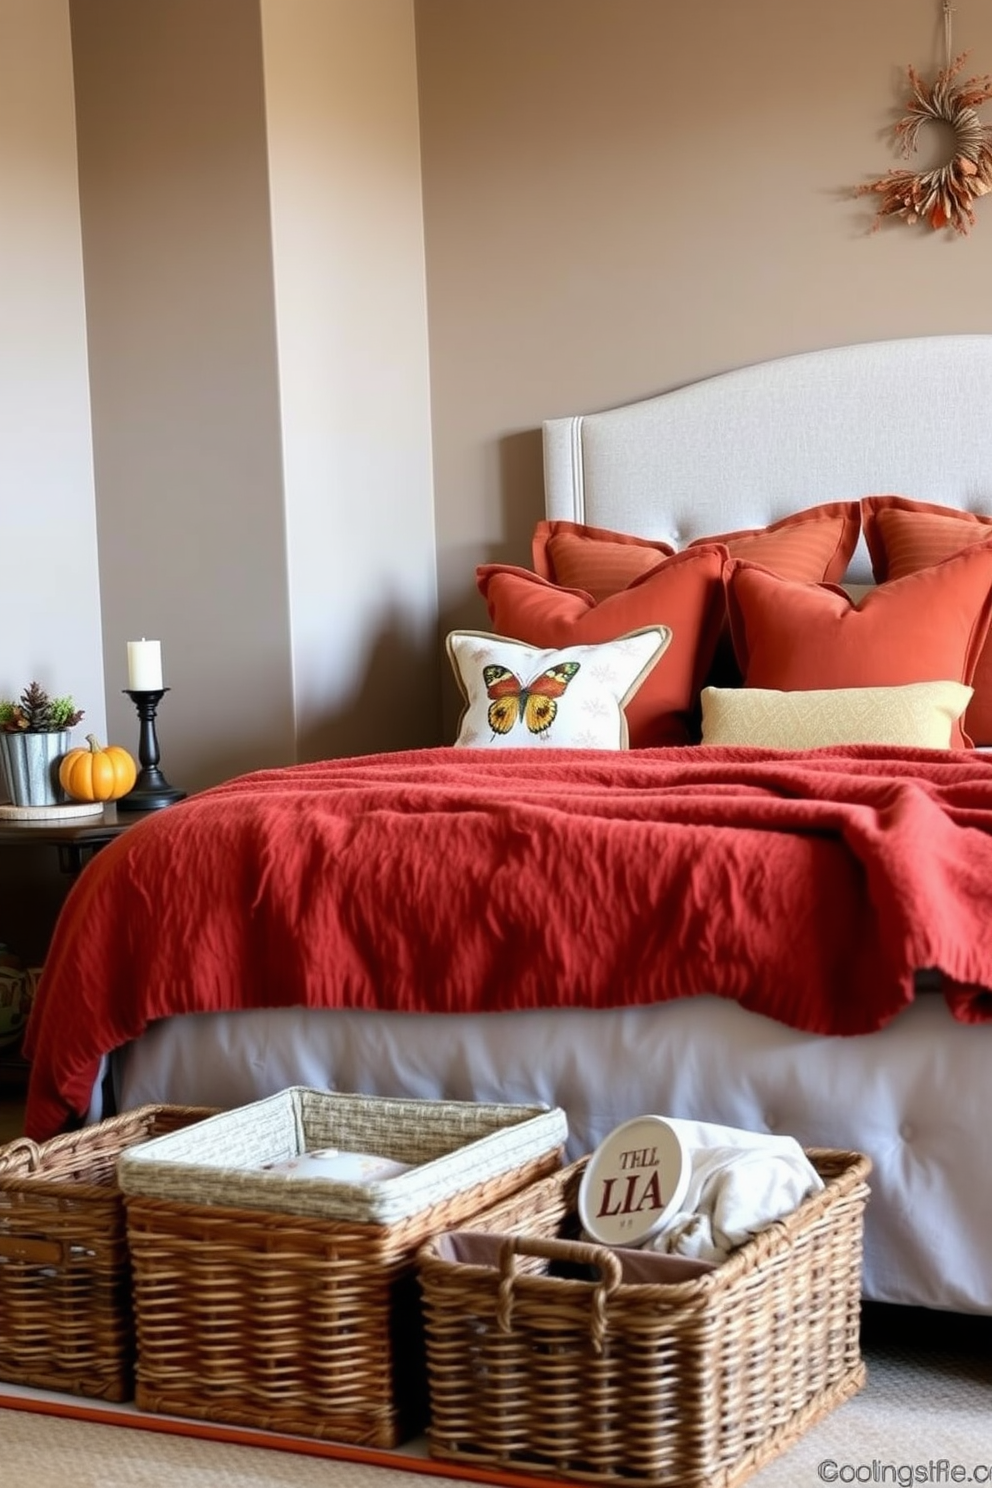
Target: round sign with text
{"type": "Point", "coordinates": [634, 1182]}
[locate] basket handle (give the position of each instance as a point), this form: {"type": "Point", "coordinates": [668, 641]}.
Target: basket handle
{"type": "Point", "coordinates": [33, 1250]}
{"type": "Point", "coordinates": [549, 1249]}
{"type": "Point", "coordinates": [20, 1146]}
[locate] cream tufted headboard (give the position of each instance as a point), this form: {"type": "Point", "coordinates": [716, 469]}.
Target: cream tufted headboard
{"type": "Point", "coordinates": [907, 417]}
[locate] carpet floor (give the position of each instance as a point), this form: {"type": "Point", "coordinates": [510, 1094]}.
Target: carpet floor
{"type": "Point", "coordinates": [925, 1416]}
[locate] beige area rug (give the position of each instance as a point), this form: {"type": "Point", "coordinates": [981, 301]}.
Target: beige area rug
{"type": "Point", "coordinates": [925, 1416]}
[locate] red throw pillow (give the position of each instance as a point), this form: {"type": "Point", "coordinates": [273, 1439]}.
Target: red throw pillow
{"type": "Point", "coordinates": [814, 545]}
{"type": "Point", "coordinates": [684, 592]}
{"type": "Point", "coordinates": [904, 536]}
{"type": "Point", "coordinates": [927, 627]}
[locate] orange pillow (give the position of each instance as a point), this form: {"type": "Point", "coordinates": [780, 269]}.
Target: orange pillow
{"type": "Point", "coordinates": [904, 536]}
{"type": "Point", "coordinates": [814, 545]}
{"type": "Point", "coordinates": [684, 592]}
{"type": "Point", "coordinates": [593, 559]}
{"type": "Point", "coordinates": [927, 627]}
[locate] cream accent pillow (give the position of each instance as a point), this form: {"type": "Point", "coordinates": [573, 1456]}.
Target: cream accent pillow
{"type": "Point", "coordinates": [518, 696]}
{"type": "Point", "coordinates": [916, 714]}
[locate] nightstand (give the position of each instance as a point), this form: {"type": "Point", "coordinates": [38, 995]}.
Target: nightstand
{"type": "Point", "coordinates": [39, 861]}
{"type": "Point", "coordinates": [75, 840]}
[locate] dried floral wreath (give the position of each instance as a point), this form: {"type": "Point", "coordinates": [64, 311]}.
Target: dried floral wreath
{"type": "Point", "coordinates": [943, 196]}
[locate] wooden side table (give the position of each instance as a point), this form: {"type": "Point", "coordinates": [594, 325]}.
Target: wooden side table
{"type": "Point", "coordinates": [75, 839]}
{"type": "Point", "coordinates": [33, 899]}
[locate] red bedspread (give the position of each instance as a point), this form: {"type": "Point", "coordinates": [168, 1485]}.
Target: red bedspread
{"type": "Point", "coordinates": [809, 887]}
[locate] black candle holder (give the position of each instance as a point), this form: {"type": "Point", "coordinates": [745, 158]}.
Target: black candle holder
{"type": "Point", "coordinates": [151, 790]}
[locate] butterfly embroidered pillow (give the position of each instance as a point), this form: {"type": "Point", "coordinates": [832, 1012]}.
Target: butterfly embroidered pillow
{"type": "Point", "coordinates": [518, 696]}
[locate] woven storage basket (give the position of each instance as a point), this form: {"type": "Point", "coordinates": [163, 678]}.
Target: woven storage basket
{"type": "Point", "coordinates": [309, 1322]}
{"type": "Point", "coordinates": [534, 1367]}
{"type": "Point", "coordinates": [65, 1286]}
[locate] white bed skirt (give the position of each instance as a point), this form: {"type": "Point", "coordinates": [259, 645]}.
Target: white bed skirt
{"type": "Point", "coordinates": [914, 1097]}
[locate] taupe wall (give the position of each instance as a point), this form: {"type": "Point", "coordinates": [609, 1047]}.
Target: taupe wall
{"type": "Point", "coordinates": [254, 263]}
{"type": "Point", "coordinates": [50, 630]}
{"type": "Point", "coordinates": [351, 319]}
{"type": "Point", "coordinates": [170, 111]}
{"type": "Point", "coordinates": [624, 195]}
{"type": "Point", "coordinates": [604, 198]}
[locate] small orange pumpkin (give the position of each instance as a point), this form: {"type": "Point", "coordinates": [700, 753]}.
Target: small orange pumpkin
{"type": "Point", "coordinates": [97, 773]}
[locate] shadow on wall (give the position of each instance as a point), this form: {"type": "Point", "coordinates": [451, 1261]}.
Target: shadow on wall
{"type": "Point", "coordinates": [521, 464]}
{"type": "Point", "coordinates": [396, 706]}
{"type": "Point", "coordinates": [521, 493]}
{"type": "Point", "coordinates": [205, 762]}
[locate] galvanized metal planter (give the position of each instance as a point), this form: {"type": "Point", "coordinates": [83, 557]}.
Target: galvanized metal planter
{"type": "Point", "coordinates": [31, 767]}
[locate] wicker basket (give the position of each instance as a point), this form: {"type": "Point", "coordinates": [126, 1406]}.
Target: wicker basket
{"type": "Point", "coordinates": [65, 1286]}
{"type": "Point", "coordinates": [449, 1145]}
{"type": "Point", "coordinates": [539, 1365]}
{"type": "Point", "coordinates": [308, 1322]}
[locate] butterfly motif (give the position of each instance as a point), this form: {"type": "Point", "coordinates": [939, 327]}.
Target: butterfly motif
{"type": "Point", "coordinates": [536, 704]}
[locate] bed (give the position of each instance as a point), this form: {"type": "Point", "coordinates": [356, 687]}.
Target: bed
{"type": "Point", "coordinates": [536, 924]}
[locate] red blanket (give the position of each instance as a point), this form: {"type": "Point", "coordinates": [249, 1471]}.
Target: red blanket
{"type": "Point", "coordinates": [809, 887]}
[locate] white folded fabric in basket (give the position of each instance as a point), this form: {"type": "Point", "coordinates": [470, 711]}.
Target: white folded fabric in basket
{"type": "Point", "coordinates": [740, 1182]}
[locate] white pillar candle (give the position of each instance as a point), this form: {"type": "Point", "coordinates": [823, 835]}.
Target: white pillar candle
{"type": "Point", "coordinates": [144, 666]}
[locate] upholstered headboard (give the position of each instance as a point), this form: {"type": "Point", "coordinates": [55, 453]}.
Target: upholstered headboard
{"type": "Point", "coordinates": [908, 417]}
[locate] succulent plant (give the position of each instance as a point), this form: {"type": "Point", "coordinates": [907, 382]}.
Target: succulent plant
{"type": "Point", "coordinates": [37, 713]}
